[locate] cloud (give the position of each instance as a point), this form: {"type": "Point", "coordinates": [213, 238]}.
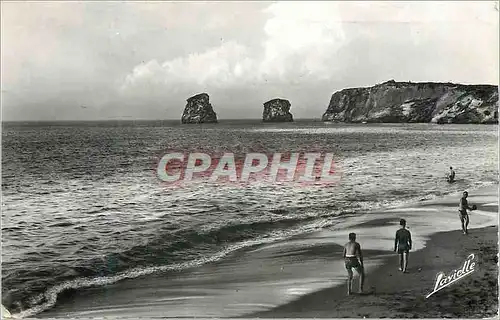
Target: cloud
{"type": "Point", "coordinates": [303, 32]}
{"type": "Point", "coordinates": [300, 39]}
{"type": "Point", "coordinates": [303, 40]}
{"type": "Point", "coordinates": [215, 67]}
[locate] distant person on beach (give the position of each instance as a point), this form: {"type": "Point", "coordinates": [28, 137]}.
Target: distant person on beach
{"type": "Point", "coordinates": [451, 175]}
{"type": "Point", "coordinates": [462, 209]}
{"type": "Point", "coordinates": [402, 245]}
{"type": "Point", "coordinates": [352, 251]}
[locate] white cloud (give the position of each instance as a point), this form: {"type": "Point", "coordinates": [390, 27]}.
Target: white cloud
{"type": "Point", "coordinates": [302, 40]}
{"type": "Point", "coordinates": [216, 67]}
{"type": "Point", "coordinates": [305, 32]}
{"type": "Point", "coordinates": [309, 32]}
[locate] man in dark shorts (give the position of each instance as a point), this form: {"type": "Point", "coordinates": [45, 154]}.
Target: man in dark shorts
{"type": "Point", "coordinates": [462, 212]}
{"type": "Point", "coordinates": [352, 250]}
{"type": "Point", "coordinates": [402, 244]}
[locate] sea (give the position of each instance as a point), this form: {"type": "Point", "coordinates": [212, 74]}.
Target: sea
{"type": "Point", "coordinates": [82, 205]}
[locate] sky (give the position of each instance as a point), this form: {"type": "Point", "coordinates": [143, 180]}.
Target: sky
{"type": "Point", "coordinates": [142, 60]}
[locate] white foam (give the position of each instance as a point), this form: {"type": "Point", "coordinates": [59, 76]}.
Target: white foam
{"type": "Point", "coordinates": [492, 204]}
{"type": "Point", "coordinates": [51, 294]}
{"type": "Point", "coordinates": [484, 213]}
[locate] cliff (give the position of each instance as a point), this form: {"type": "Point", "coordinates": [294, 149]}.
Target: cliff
{"type": "Point", "coordinates": [277, 110]}
{"type": "Point", "coordinates": [199, 110]}
{"type": "Point", "coordinates": [415, 102]}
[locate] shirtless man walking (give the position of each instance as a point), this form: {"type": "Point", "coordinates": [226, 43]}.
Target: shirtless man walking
{"type": "Point", "coordinates": [402, 244]}
{"type": "Point", "coordinates": [352, 250]}
{"type": "Point", "coordinates": [462, 209]}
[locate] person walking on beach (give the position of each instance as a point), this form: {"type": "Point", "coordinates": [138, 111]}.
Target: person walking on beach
{"type": "Point", "coordinates": [451, 176]}
{"type": "Point", "coordinates": [402, 244]}
{"type": "Point", "coordinates": [462, 209]}
{"type": "Point", "coordinates": [352, 251]}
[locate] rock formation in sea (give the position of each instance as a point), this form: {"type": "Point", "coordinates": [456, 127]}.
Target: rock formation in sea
{"type": "Point", "coordinates": [394, 101]}
{"type": "Point", "coordinates": [199, 110]}
{"type": "Point", "coordinates": [277, 110]}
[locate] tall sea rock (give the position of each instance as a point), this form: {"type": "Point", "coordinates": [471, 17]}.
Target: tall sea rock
{"type": "Point", "coordinates": [394, 101]}
{"type": "Point", "coordinates": [277, 110]}
{"type": "Point", "coordinates": [199, 110]}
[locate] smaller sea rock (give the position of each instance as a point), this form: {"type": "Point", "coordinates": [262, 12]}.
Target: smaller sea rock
{"type": "Point", "coordinates": [277, 110]}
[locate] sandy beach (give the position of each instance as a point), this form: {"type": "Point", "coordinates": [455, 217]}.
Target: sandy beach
{"type": "Point", "coordinates": [304, 276]}
{"type": "Point", "coordinates": [392, 294]}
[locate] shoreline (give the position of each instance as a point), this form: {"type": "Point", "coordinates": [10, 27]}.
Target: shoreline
{"type": "Point", "coordinates": [334, 303]}
{"type": "Point", "coordinates": [396, 295]}
{"type": "Point", "coordinates": [265, 280]}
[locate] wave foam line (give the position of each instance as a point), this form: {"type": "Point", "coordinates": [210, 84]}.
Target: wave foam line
{"type": "Point", "coordinates": [51, 294]}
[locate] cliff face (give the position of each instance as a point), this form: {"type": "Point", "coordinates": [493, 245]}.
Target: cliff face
{"type": "Point", "coordinates": [199, 110]}
{"type": "Point", "coordinates": [415, 102]}
{"type": "Point", "coordinates": [277, 110]}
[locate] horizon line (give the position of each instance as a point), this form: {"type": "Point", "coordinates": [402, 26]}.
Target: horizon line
{"type": "Point", "coordinates": [138, 119]}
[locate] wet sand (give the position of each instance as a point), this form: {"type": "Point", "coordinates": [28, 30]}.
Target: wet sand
{"type": "Point", "coordinates": [304, 276]}
{"type": "Point", "coordinates": [393, 294]}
